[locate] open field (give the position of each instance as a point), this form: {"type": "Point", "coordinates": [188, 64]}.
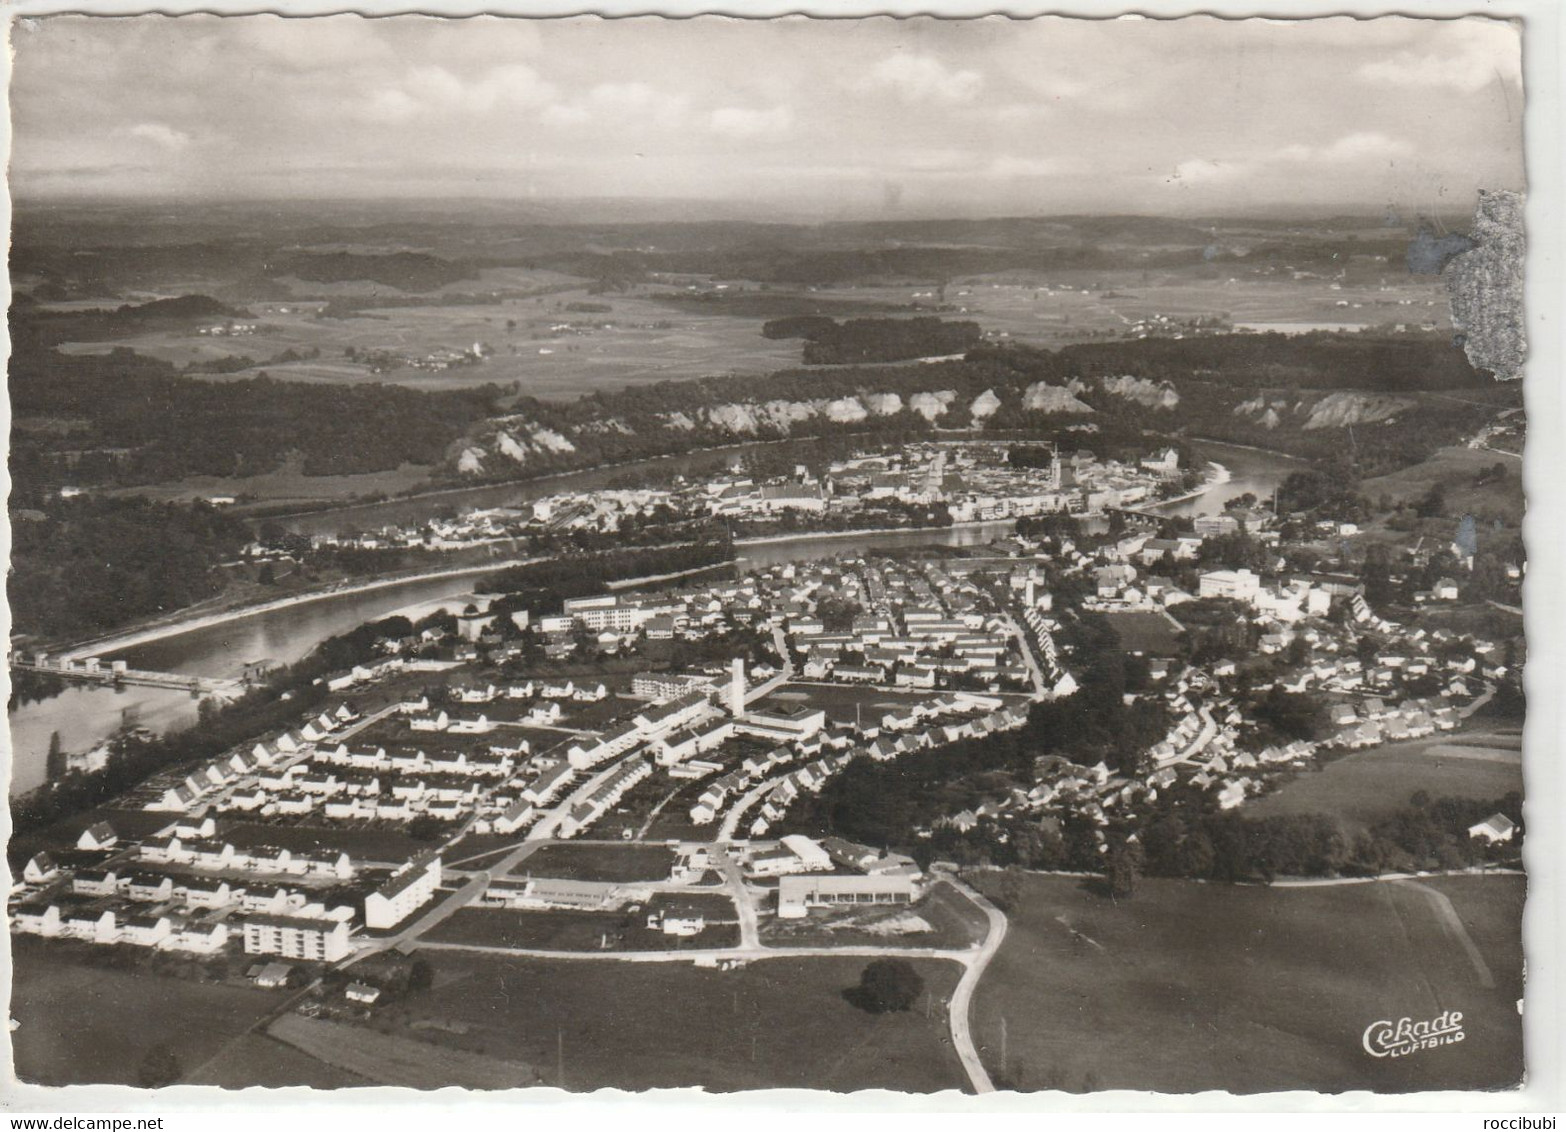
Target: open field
{"type": "Point", "coordinates": [638, 342]}
{"type": "Point", "coordinates": [1148, 633]}
{"type": "Point", "coordinates": [1454, 470]}
{"type": "Point", "coordinates": [82, 1024]}
{"type": "Point", "coordinates": [841, 702]}
{"type": "Point", "coordinates": [583, 861]}
{"type": "Point", "coordinates": [550, 929]}
{"type": "Point", "coordinates": [257, 1060]}
{"type": "Point", "coordinates": [1187, 987]}
{"type": "Point", "coordinates": [556, 353]}
{"type": "Point", "coordinates": [777, 1023]}
{"type": "Point", "coordinates": [389, 1059]}
{"type": "Point", "coordinates": [289, 484]}
{"type": "Point", "coordinates": [1363, 785]}
{"type": "Point", "coordinates": [953, 922]}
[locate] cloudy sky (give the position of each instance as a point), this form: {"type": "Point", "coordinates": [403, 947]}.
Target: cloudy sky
{"type": "Point", "coordinates": [867, 117]}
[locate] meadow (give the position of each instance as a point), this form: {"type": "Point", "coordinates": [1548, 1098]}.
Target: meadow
{"type": "Point", "coordinates": [776, 1023]}
{"type": "Point", "coordinates": [1364, 785]}
{"type": "Point", "coordinates": [1189, 987]}
{"type": "Point", "coordinates": [80, 1024]}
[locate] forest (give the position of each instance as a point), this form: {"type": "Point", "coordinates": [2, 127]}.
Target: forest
{"type": "Point", "coordinates": [129, 419]}
{"type": "Point", "coordinates": [89, 564]}
{"type": "Point", "coordinates": [867, 340]}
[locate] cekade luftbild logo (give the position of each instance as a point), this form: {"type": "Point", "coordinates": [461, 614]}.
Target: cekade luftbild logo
{"type": "Point", "coordinates": [1405, 1036]}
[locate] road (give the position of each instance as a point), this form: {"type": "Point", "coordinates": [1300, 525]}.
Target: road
{"type": "Point", "coordinates": [762, 691]}
{"type": "Point", "coordinates": [407, 938]}
{"type": "Point", "coordinates": [962, 997]}
{"type": "Point", "coordinates": [544, 828]}
{"type": "Point", "coordinates": [731, 820]}
{"type": "Point", "coordinates": [1040, 690]}
{"type": "Point", "coordinates": [750, 949]}
{"type": "Point", "coordinates": [734, 881]}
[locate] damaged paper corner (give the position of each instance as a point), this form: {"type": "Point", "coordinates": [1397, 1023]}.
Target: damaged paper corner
{"type": "Point", "coordinates": [1485, 284]}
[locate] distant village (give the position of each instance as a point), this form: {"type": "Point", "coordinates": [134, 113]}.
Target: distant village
{"type": "Point", "coordinates": [959, 482]}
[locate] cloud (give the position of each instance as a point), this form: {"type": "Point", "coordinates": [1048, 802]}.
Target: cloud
{"type": "Point", "coordinates": [1346, 150]}
{"type": "Point", "coordinates": [1468, 71]}
{"type": "Point", "coordinates": [739, 122]}
{"type": "Point", "coordinates": [923, 78]}
{"type": "Point", "coordinates": [1006, 166]}
{"type": "Point", "coordinates": [1462, 55]}
{"type": "Point", "coordinates": [1350, 149]}
{"type": "Point", "coordinates": [1202, 170]}
{"type": "Point", "coordinates": [619, 103]}
{"type": "Point", "coordinates": [166, 137]}
{"type": "Point", "coordinates": [434, 90]}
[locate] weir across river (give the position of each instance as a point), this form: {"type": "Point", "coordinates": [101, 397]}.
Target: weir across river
{"type": "Point", "coordinates": [92, 672]}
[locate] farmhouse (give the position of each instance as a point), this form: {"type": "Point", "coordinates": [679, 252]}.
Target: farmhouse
{"type": "Point", "coordinates": [1495, 828]}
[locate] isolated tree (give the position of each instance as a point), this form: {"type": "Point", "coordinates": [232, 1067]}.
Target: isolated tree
{"type": "Point", "coordinates": [426, 828]}
{"type": "Point", "coordinates": [1124, 870]}
{"type": "Point", "coordinates": [267, 574]}
{"type": "Point", "coordinates": [54, 763]}
{"type": "Point", "coordinates": [887, 986]}
{"type": "Point", "coordinates": [421, 975]}
{"type": "Point", "coordinates": [159, 1068]}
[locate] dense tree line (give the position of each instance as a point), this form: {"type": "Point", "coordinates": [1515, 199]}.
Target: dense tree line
{"type": "Point", "coordinates": [544, 585]}
{"type": "Point", "coordinates": [134, 420]}
{"type": "Point", "coordinates": [886, 803]}
{"type": "Point", "coordinates": [406, 271]}
{"type": "Point", "coordinates": [89, 564]}
{"type": "Point", "coordinates": [863, 340]}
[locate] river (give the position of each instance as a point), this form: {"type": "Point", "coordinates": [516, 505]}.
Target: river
{"type": "Point", "coordinates": [84, 715]}
{"type": "Point", "coordinates": [1251, 470]}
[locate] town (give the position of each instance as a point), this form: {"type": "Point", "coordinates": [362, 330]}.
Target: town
{"type": "Point", "coordinates": [282, 849]}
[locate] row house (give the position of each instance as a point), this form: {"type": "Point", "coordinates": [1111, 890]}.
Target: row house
{"type": "Point", "coordinates": [547, 784]}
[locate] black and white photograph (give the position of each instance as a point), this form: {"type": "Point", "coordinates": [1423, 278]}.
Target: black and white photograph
{"type": "Point", "coordinates": [947, 556]}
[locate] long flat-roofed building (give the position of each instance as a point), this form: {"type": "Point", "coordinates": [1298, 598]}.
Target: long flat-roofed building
{"type": "Point", "coordinates": [798, 894]}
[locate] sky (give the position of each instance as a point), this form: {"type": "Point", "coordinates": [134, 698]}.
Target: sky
{"type": "Point", "coordinates": [872, 117]}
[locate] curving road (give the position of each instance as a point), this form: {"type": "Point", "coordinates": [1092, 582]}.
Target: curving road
{"type": "Point", "coordinates": [972, 960]}
{"type": "Point", "coordinates": [962, 997]}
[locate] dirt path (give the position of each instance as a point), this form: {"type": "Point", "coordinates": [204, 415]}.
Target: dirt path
{"type": "Point", "coordinates": [1454, 925]}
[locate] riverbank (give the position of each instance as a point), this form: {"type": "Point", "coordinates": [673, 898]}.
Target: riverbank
{"type": "Point", "coordinates": [134, 638]}
{"type": "Point", "coordinates": [768, 540]}
{"type": "Point", "coordinates": [1220, 476]}
{"type": "Point", "coordinates": [1273, 452]}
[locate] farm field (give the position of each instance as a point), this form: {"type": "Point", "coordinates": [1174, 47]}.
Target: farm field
{"type": "Point", "coordinates": [81, 1024]}
{"type": "Point", "coordinates": [587, 861]}
{"type": "Point", "coordinates": [638, 342]}
{"type": "Point", "coordinates": [1188, 987]}
{"type": "Point", "coordinates": [1360, 786]}
{"type": "Point", "coordinates": [777, 1023]}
